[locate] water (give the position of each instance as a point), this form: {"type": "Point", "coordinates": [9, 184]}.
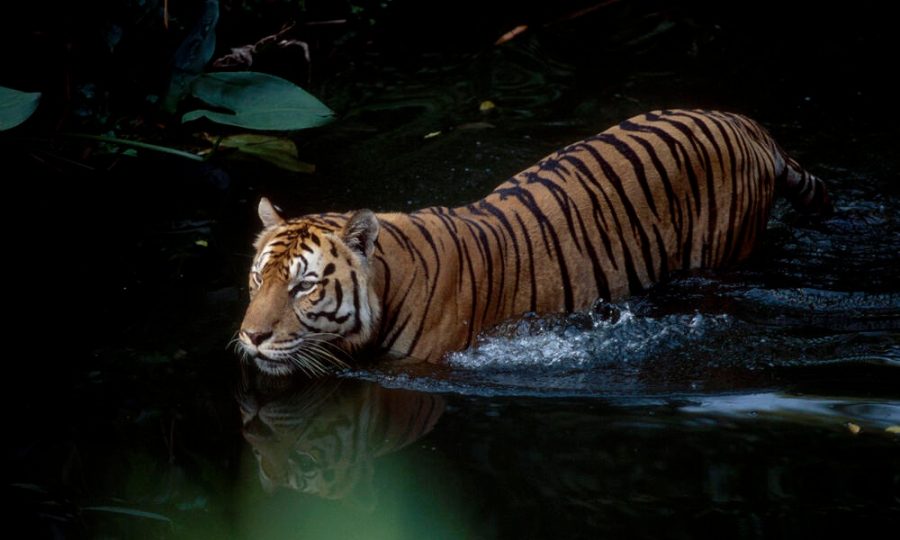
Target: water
{"type": "Point", "coordinates": [755, 402]}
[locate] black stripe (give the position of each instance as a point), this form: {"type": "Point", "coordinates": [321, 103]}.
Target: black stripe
{"type": "Point", "coordinates": [519, 193]}
{"type": "Point", "coordinates": [394, 329]}
{"type": "Point", "coordinates": [636, 165]}
{"type": "Point", "coordinates": [339, 293]}
{"type": "Point", "coordinates": [634, 282]}
{"type": "Point", "coordinates": [687, 246]}
{"type": "Point", "coordinates": [532, 303]}
{"type": "Point", "coordinates": [663, 254]}
{"type": "Point", "coordinates": [527, 199]}
{"type": "Point", "coordinates": [308, 327]}
{"type": "Point", "coordinates": [451, 228]}
{"type": "Point", "coordinates": [676, 218]}
{"type": "Point", "coordinates": [601, 282]}
{"type": "Point", "coordinates": [385, 293]}
{"type": "Point", "coordinates": [330, 315]}
{"type": "Point", "coordinates": [682, 158]}
{"type": "Point", "coordinates": [500, 240]}
{"type": "Point", "coordinates": [336, 225]}
{"type": "Point", "coordinates": [700, 148]}
{"type": "Point", "coordinates": [585, 175]}
{"type": "Point", "coordinates": [400, 238]}
{"type": "Point", "coordinates": [388, 344]}
{"type": "Point", "coordinates": [750, 186]}
{"type": "Point", "coordinates": [676, 149]}
{"type": "Point", "coordinates": [560, 195]}
{"type": "Point", "coordinates": [484, 252]}
{"type": "Point", "coordinates": [635, 222]}
{"type": "Point", "coordinates": [357, 319]}
{"type": "Point", "coordinates": [501, 217]}
{"type": "Point", "coordinates": [470, 328]}
{"type": "Point", "coordinates": [489, 261]}
{"type": "Point", "coordinates": [733, 156]}
{"type": "Point", "coordinates": [278, 242]}
{"type": "Point", "coordinates": [315, 301]}
{"type": "Point", "coordinates": [432, 287]}
{"type": "Point", "coordinates": [759, 183]}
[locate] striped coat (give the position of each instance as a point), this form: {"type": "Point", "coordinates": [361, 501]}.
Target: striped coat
{"type": "Point", "coordinates": [601, 218]}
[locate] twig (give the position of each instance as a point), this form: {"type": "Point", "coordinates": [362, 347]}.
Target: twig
{"type": "Point", "coordinates": [137, 144]}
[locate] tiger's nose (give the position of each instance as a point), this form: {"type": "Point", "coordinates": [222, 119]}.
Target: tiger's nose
{"type": "Point", "coordinates": [257, 338]}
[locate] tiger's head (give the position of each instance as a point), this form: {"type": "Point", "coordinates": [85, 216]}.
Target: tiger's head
{"type": "Point", "coordinates": [324, 437]}
{"type": "Point", "coordinates": [311, 297]}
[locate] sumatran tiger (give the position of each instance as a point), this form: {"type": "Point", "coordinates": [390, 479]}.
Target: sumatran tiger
{"type": "Point", "coordinates": [599, 219]}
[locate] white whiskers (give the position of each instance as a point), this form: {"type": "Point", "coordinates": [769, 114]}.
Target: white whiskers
{"type": "Point", "coordinates": [317, 355]}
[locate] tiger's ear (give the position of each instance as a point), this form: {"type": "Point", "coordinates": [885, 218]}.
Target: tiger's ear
{"type": "Point", "coordinates": [268, 214]}
{"type": "Point", "coordinates": [360, 232]}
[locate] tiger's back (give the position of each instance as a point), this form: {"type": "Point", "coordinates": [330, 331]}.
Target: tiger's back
{"type": "Point", "coordinates": [601, 218]}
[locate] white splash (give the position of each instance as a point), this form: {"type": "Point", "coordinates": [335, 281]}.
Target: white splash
{"type": "Point", "coordinates": [591, 339]}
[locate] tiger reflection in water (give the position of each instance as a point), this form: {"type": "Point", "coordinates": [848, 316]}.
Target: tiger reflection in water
{"type": "Point", "coordinates": [322, 437]}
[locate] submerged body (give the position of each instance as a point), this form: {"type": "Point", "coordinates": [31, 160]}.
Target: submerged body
{"type": "Point", "coordinates": [602, 218]}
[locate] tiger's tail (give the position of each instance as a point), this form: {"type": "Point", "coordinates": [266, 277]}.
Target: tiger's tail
{"type": "Point", "coordinates": [806, 192]}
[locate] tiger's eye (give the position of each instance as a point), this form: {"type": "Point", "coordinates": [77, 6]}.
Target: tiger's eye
{"type": "Point", "coordinates": [303, 286]}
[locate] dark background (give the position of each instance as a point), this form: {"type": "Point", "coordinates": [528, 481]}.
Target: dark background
{"type": "Point", "coordinates": [99, 221]}
{"type": "Point", "coordinates": [118, 316]}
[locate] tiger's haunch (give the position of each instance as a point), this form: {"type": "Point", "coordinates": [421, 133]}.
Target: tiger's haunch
{"type": "Point", "coordinates": [601, 218]}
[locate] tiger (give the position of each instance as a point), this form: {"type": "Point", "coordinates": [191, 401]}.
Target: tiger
{"type": "Point", "coordinates": [600, 219]}
{"type": "Point", "coordinates": [323, 437]}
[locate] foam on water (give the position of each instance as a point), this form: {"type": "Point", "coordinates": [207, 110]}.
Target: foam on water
{"type": "Point", "coordinates": [877, 413]}
{"type": "Point", "coordinates": [618, 336]}
{"type": "Point", "coordinates": [643, 349]}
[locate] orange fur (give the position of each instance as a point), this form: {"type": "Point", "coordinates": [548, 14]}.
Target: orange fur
{"type": "Point", "coordinates": [601, 218]}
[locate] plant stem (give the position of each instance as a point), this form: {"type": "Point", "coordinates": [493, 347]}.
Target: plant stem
{"type": "Point", "coordinates": [138, 144]}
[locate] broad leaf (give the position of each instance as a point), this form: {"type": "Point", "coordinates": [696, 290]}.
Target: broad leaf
{"type": "Point", "coordinates": [276, 150]}
{"type": "Point", "coordinates": [257, 101]}
{"type": "Point", "coordinates": [16, 107]}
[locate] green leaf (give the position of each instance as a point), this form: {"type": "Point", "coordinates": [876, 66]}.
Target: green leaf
{"type": "Point", "coordinates": [257, 101]}
{"type": "Point", "coordinates": [16, 107]}
{"type": "Point", "coordinates": [278, 151]}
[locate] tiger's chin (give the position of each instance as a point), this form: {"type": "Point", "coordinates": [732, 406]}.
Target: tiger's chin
{"type": "Point", "coordinates": [312, 358]}
{"type": "Point", "coordinates": [274, 367]}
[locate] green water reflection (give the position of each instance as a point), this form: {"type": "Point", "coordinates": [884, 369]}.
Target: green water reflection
{"type": "Point", "coordinates": [329, 459]}
{"type": "Point", "coordinates": [352, 459]}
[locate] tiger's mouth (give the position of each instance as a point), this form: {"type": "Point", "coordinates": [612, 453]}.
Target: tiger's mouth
{"type": "Point", "coordinates": [272, 366]}
{"type": "Point", "coordinates": [313, 357]}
